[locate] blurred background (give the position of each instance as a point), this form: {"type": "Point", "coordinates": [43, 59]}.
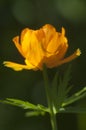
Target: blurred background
{"type": "Point", "coordinates": [16, 15]}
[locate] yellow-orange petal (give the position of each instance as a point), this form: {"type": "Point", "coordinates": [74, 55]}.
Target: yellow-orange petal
{"type": "Point", "coordinates": [63, 31]}
{"type": "Point", "coordinates": [53, 60]}
{"type": "Point", "coordinates": [70, 58]}
{"type": "Point", "coordinates": [26, 37]}
{"type": "Point", "coordinates": [35, 52]}
{"type": "Point", "coordinates": [49, 32]}
{"type": "Point", "coordinates": [31, 65]}
{"type": "Point", "coordinates": [18, 46]}
{"type": "Point", "coordinates": [15, 66]}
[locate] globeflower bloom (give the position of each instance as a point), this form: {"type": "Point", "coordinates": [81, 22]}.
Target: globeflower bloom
{"type": "Point", "coordinates": [42, 46]}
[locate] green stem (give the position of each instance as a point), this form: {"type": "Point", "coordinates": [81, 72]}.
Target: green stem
{"type": "Point", "coordinates": [49, 99]}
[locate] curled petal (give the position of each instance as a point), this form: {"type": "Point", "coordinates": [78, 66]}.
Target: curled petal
{"type": "Point", "coordinates": [70, 58]}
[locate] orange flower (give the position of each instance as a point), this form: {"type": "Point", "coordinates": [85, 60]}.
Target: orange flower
{"type": "Point", "coordinates": [43, 46]}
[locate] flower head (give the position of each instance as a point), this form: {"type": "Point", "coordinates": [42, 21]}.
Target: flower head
{"type": "Point", "coordinates": [43, 46]}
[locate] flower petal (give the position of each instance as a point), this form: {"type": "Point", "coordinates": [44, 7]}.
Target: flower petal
{"type": "Point", "coordinates": [54, 61]}
{"type": "Point", "coordinates": [18, 46]}
{"type": "Point", "coordinates": [30, 65]}
{"type": "Point", "coordinates": [49, 32]}
{"type": "Point", "coordinates": [26, 40]}
{"type": "Point", "coordinates": [15, 66]}
{"type": "Point", "coordinates": [58, 42]}
{"type": "Point", "coordinates": [35, 52]}
{"type": "Point", "coordinates": [70, 58]}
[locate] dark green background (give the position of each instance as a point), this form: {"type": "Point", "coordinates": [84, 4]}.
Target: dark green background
{"type": "Point", "coordinates": [15, 15]}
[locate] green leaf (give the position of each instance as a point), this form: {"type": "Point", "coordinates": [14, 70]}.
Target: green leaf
{"type": "Point", "coordinates": [64, 83]}
{"type": "Point", "coordinates": [75, 97]}
{"type": "Point", "coordinates": [42, 108]}
{"type": "Point", "coordinates": [34, 113]}
{"type": "Point", "coordinates": [19, 103]}
{"type": "Point", "coordinates": [76, 110]}
{"type": "Point", "coordinates": [63, 88]}
{"type": "Point", "coordinates": [68, 89]}
{"type": "Point", "coordinates": [25, 104]}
